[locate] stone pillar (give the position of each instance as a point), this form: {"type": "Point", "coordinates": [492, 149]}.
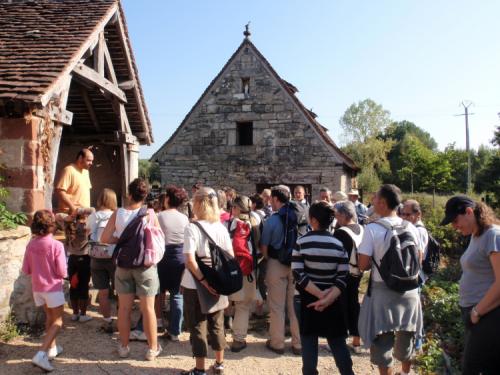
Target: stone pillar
{"type": "Point", "coordinates": [22, 156]}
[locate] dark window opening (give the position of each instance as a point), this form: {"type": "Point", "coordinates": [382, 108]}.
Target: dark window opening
{"type": "Point", "coordinates": [245, 86]}
{"type": "Point", "coordinates": [244, 133]}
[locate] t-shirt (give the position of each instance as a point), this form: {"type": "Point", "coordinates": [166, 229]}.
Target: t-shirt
{"type": "Point", "coordinates": [195, 241]}
{"type": "Point", "coordinates": [45, 261]}
{"type": "Point", "coordinates": [173, 223]}
{"type": "Point", "coordinates": [373, 243]}
{"type": "Point", "coordinates": [122, 219]}
{"type": "Point", "coordinates": [424, 236]}
{"type": "Point", "coordinates": [273, 232]}
{"type": "Point", "coordinates": [76, 184]}
{"type": "Point", "coordinates": [477, 271]}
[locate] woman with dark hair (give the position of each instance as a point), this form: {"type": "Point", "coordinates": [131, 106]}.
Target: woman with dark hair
{"type": "Point", "coordinates": [171, 267]}
{"type": "Point", "coordinates": [479, 288]}
{"type": "Point", "coordinates": [129, 282]}
{"type": "Point", "coordinates": [320, 268]}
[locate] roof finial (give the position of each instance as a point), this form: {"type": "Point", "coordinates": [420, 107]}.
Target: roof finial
{"type": "Point", "coordinates": [247, 32]}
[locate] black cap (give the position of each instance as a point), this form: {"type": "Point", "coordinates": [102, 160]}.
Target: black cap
{"type": "Point", "coordinates": [456, 206]}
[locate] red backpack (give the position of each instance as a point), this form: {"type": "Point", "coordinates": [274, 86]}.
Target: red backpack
{"type": "Point", "coordinates": [240, 235]}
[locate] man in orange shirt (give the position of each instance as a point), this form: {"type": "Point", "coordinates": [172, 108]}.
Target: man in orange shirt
{"type": "Point", "coordinates": [73, 187]}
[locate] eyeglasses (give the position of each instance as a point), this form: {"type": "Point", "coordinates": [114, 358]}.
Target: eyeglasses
{"type": "Point", "coordinates": [406, 214]}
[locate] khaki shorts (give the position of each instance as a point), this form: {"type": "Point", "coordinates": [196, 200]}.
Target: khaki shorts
{"type": "Point", "coordinates": [139, 281]}
{"type": "Point", "coordinates": [382, 348]}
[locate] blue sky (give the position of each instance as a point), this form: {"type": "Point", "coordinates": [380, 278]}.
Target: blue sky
{"type": "Point", "coordinates": [419, 59]}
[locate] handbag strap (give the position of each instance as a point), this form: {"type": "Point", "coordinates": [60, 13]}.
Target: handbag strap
{"type": "Point", "coordinates": [202, 230]}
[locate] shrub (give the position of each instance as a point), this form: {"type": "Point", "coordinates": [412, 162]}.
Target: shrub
{"type": "Point", "coordinates": [8, 219]}
{"type": "Point", "coordinates": [8, 329]}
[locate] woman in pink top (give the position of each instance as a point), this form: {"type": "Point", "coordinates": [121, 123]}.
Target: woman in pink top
{"type": "Point", "coordinates": [45, 261]}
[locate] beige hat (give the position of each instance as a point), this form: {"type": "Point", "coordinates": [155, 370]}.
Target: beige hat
{"type": "Point", "coordinates": [339, 196]}
{"type": "Point", "coordinates": [353, 192]}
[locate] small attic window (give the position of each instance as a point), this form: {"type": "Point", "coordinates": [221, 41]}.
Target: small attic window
{"type": "Point", "coordinates": [244, 133]}
{"type": "Point", "coordinates": [245, 85]}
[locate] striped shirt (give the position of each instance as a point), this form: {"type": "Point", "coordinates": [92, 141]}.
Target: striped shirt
{"type": "Point", "coordinates": [320, 258]}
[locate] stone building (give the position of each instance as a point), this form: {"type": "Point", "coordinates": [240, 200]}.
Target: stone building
{"type": "Point", "coordinates": [68, 79]}
{"type": "Point", "coordinates": [248, 130]}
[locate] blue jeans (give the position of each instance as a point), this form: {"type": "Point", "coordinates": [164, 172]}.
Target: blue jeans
{"type": "Point", "coordinates": [339, 350]}
{"type": "Point", "coordinates": [176, 312]}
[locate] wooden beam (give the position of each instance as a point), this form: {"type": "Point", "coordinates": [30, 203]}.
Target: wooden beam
{"type": "Point", "coordinates": [99, 55]}
{"type": "Point", "coordinates": [60, 116]}
{"type": "Point", "coordinates": [127, 138]}
{"type": "Point", "coordinates": [90, 75]}
{"type": "Point", "coordinates": [90, 108]}
{"type": "Point", "coordinates": [109, 63]}
{"type": "Point", "coordinates": [127, 85]}
{"type": "Point", "coordinates": [125, 126]}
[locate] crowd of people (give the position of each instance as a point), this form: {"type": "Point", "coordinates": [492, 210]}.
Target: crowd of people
{"type": "Point", "coordinates": [300, 261]}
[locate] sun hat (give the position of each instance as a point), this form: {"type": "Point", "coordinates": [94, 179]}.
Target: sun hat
{"type": "Point", "coordinates": [353, 192]}
{"type": "Point", "coordinates": [339, 196]}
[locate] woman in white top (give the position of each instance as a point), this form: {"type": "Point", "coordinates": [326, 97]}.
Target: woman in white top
{"type": "Point", "coordinates": [207, 214]}
{"type": "Point", "coordinates": [129, 282]}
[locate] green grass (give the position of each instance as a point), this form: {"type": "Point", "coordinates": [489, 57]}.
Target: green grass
{"type": "Point", "coordinates": [8, 329]}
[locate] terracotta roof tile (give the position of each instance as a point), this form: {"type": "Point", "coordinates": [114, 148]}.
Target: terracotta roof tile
{"type": "Point", "coordinates": [38, 38]}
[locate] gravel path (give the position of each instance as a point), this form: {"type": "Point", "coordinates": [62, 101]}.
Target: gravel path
{"type": "Point", "coordinates": [88, 351]}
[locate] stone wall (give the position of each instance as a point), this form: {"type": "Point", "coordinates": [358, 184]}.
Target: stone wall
{"type": "Point", "coordinates": [286, 148]}
{"type": "Point", "coordinates": [15, 288]}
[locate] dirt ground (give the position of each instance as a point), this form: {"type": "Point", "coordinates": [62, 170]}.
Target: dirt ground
{"type": "Point", "coordinates": [89, 351]}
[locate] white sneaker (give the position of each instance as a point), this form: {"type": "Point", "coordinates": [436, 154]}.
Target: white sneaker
{"type": "Point", "coordinates": [123, 351]}
{"type": "Point", "coordinates": [54, 352]}
{"type": "Point", "coordinates": [41, 360]}
{"type": "Point", "coordinates": [75, 317]}
{"type": "Point", "coordinates": [152, 354]}
{"type": "Point", "coordinates": [84, 318]}
{"type": "Point", "coordinates": [357, 349]}
{"type": "Point", "coordinates": [137, 335]}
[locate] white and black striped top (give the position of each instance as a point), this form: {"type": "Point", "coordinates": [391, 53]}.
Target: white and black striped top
{"type": "Point", "coordinates": [319, 257]}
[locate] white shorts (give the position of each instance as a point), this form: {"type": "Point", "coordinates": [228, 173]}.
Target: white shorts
{"type": "Point", "coordinates": [51, 299]}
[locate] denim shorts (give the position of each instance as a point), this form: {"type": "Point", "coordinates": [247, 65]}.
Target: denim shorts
{"type": "Point", "coordinates": [141, 281]}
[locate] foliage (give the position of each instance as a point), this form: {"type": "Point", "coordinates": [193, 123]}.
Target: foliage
{"type": "Point", "coordinates": [442, 321]}
{"type": "Point", "coordinates": [364, 120]}
{"type": "Point", "coordinates": [414, 160]}
{"type": "Point", "coordinates": [496, 137]}
{"type": "Point", "coordinates": [8, 219]}
{"type": "Point", "coordinates": [8, 329]}
{"type": "Point", "coordinates": [150, 171]}
{"type": "Point", "coordinates": [401, 129]}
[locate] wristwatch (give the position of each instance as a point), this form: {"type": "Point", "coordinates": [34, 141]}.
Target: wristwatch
{"type": "Point", "coordinates": [475, 313]}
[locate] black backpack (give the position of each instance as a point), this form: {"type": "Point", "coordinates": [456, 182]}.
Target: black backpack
{"type": "Point", "coordinates": [288, 217]}
{"type": "Point", "coordinates": [129, 250]}
{"type": "Point", "coordinates": [400, 265]}
{"type": "Point", "coordinates": [433, 256]}
{"type": "Point", "coordinates": [224, 273]}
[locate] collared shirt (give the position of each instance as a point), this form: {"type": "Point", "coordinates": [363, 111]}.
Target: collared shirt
{"type": "Point", "coordinates": [272, 233]}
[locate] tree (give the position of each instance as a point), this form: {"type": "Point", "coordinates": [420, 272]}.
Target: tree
{"type": "Point", "coordinates": [362, 123]}
{"type": "Point", "coordinates": [400, 129]}
{"type": "Point", "coordinates": [149, 171]}
{"type": "Point", "coordinates": [438, 174]}
{"type": "Point", "coordinates": [415, 158]}
{"type": "Point", "coordinates": [496, 137]}
{"type": "Point", "coordinates": [364, 120]}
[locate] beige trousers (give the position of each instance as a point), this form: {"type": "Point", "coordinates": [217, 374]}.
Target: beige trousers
{"type": "Point", "coordinates": [243, 301]}
{"type": "Point", "coordinates": [280, 292]}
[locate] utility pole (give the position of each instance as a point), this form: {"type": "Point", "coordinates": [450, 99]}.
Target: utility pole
{"type": "Point", "coordinates": [466, 104]}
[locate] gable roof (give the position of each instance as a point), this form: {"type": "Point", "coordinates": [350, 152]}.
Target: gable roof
{"type": "Point", "coordinates": [42, 40]}
{"type": "Point", "coordinates": [286, 86]}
